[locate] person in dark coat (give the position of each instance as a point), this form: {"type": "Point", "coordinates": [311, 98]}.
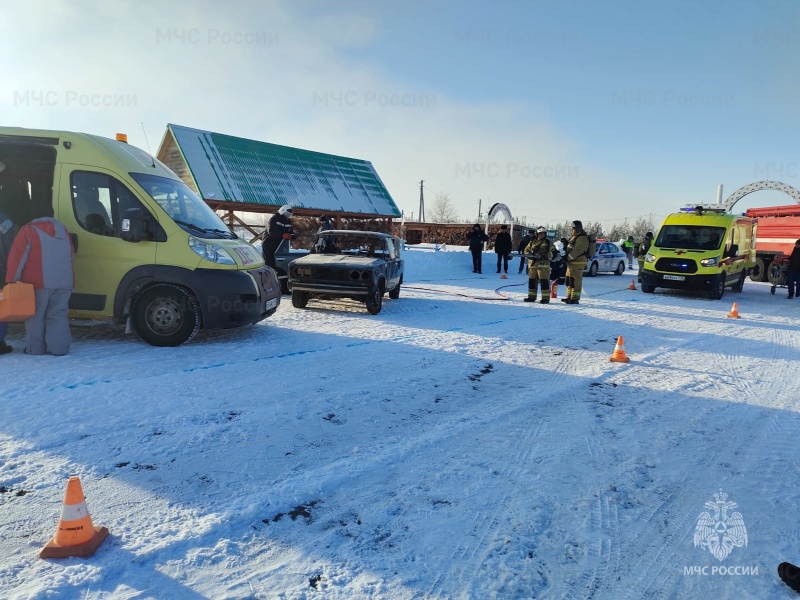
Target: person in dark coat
{"type": "Point", "coordinates": [503, 247]}
{"type": "Point", "coordinates": [476, 239]}
{"type": "Point", "coordinates": [526, 239]}
{"type": "Point", "coordinates": [793, 272]}
{"type": "Point", "coordinates": [278, 229]}
{"type": "Point", "coordinates": [325, 224]}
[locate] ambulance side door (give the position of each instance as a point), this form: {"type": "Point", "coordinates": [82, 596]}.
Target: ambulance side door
{"type": "Point", "coordinates": [99, 201]}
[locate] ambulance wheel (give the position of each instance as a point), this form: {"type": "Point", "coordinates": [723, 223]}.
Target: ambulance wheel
{"type": "Point", "coordinates": [719, 288]}
{"type": "Point", "coordinates": [166, 315]}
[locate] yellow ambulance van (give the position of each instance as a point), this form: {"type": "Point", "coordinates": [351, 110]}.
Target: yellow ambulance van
{"type": "Point", "coordinates": [149, 251]}
{"type": "Point", "coordinates": [701, 249]}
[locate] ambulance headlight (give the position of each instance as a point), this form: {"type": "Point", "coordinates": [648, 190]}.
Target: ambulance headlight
{"type": "Point", "coordinates": [710, 262]}
{"type": "Point", "coordinates": [210, 252]}
{"type": "Point", "coordinates": [649, 258]}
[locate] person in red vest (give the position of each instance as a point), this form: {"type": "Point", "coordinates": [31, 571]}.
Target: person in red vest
{"type": "Point", "coordinates": [42, 255]}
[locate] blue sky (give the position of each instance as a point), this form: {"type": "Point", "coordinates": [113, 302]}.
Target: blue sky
{"type": "Point", "coordinates": [598, 111]}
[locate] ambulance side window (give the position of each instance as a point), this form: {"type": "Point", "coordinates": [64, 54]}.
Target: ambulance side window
{"type": "Point", "coordinates": [100, 202]}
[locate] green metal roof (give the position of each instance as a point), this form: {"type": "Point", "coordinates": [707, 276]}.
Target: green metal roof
{"type": "Point", "coordinates": [227, 168]}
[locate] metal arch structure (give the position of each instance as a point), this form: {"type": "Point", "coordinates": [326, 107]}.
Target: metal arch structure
{"type": "Point", "coordinates": [496, 209]}
{"type": "Point", "coordinates": [749, 189]}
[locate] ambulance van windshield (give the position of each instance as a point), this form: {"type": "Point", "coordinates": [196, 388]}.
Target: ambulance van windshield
{"type": "Point", "coordinates": [184, 206]}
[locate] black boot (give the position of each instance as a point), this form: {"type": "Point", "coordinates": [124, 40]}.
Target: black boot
{"type": "Point", "coordinates": [790, 575]}
{"type": "Point", "coordinates": [529, 299]}
{"type": "Point", "coordinates": [566, 300]}
{"type": "Point", "coordinates": [544, 301]}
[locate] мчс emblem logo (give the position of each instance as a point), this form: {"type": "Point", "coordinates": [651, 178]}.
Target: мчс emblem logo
{"type": "Point", "coordinates": [719, 532]}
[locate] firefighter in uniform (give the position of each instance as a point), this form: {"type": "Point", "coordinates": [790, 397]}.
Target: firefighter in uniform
{"type": "Point", "coordinates": [541, 252]}
{"type": "Point", "coordinates": [577, 257]}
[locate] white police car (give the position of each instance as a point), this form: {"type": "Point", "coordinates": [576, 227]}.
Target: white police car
{"type": "Point", "coordinates": [608, 258]}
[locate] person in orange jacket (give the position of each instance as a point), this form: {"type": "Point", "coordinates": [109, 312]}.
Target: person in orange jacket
{"type": "Point", "coordinates": [42, 255]}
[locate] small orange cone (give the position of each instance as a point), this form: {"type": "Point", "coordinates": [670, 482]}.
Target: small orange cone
{"type": "Point", "coordinates": [632, 286]}
{"type": "Point", "coordinates": [734, 314]}
{"type": "Point", "coordinates": [503, 276]}
{"type": "Point", "coordinates": [75, 534]}
{"type": "Point", "coordinates": [554, 289]}
{"type": "Point", "coordinates": [619, 352]}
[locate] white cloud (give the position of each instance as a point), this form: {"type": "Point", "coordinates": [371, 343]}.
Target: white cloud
{"type": "Point", "coordinates": [258, 70]}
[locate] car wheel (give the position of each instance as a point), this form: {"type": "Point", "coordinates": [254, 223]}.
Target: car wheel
{"type": "Point", "coordinates": [593, 269]}
{"type": "Point", "coordinates": [719, 288]}
{"type": "Point", "coordinates": [284, 281]}
{"type": "Point", "coordinates": [620, 268]}
{"type": "Point", "coordinates": [166, 315]}
{"type": "Point", "coordinates": [395, 293]}
{"type": "Point", "coordinates": [300, 299]}
{"type": "Point", "coordinates": [375, 299]}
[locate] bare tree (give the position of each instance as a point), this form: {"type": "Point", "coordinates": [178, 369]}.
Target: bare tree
{"type": "Point", "coordinates": [641, 227]}
{"type": "Point", "coordinates": [442, 210]}
{"type": "Point", "coordinates": [594, 228]}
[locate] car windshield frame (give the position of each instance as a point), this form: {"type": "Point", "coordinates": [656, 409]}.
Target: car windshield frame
{"type": "Point", "coordinates": [691, 237]}
{"type": "Point", "coordinates": [184, 206]}
{"type": "Point", "coordinates": [352, 244]}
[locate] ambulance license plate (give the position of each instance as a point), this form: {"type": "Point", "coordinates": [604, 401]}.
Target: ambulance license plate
{"type": "Point", "coordinates": [675, 277]}
{"type": "Point", "coordinates": [271, 304]}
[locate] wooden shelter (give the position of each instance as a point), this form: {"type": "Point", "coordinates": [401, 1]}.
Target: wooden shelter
{"type": "Point", "coordinates": [238, 174]}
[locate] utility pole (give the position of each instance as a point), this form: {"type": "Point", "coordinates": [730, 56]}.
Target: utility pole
{"type": "Point", "coordinates": [421, 203]}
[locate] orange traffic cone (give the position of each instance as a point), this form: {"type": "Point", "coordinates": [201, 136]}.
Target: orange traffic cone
{"type": "Point", "coordinates": [632, 286]}
{"type": "Point", "coordinates": [619, 352]}
{"type": "Point", "coordinates": [734, 314]}
{"type": "Point", "coordinates": [503, 276]}
{"type": "Point", "coordinates": [554, 289]}
{"type": "Point", "coordinates": [75, 535]}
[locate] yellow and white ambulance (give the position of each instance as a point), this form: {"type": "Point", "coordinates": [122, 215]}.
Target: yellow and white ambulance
{"type": "Point", "coordinates": [701, 249]}
{"type": "Point", "coordinates": [149, 251]}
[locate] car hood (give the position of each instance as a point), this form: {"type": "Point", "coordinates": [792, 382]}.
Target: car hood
{"type": "Point", "coordinates": [336, 260]}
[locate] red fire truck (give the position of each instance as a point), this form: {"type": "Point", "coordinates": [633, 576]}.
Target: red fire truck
{"type": "Point", "coordinates": [778, 227]}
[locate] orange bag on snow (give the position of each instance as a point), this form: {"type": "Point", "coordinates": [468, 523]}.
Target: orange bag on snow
{"type": "Point", "coordinates": [17, 302]}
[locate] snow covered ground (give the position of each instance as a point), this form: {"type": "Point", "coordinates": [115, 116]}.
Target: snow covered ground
{"type": "Point", "coordinates": [461, 444]}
